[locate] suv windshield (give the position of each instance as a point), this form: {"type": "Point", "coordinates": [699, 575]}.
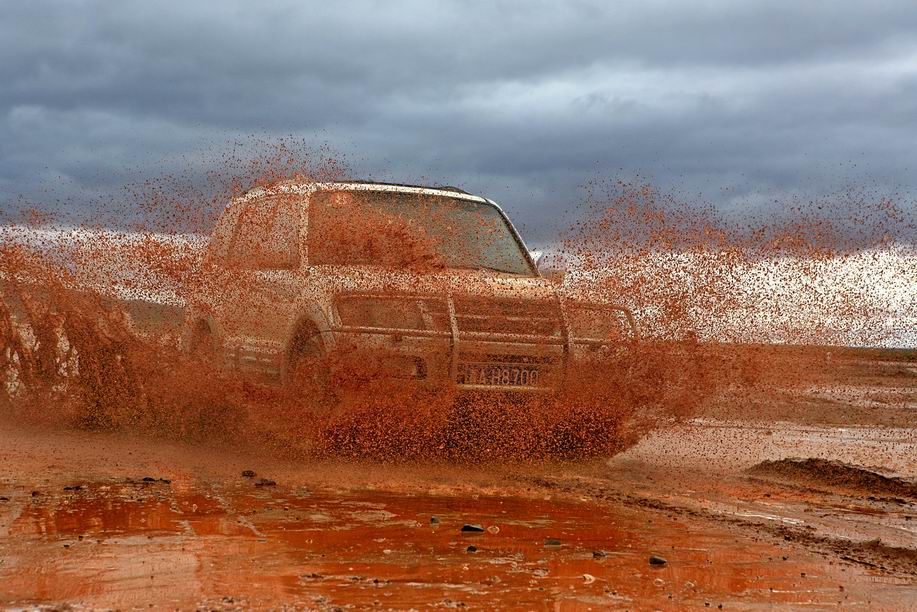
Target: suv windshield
{"type": "Point", "coordinates": [398, 229]}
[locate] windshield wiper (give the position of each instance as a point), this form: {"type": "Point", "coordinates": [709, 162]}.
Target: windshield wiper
{"type": "Point", "coordinates": [488, 268]}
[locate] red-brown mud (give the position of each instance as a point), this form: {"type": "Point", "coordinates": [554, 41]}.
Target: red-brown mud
{"type": "Point", "coordinates": [319, 552]}
{"type": "Point", "coordinates": [106, 520]}
{"type": "Point", "coordinates": [835, 475]}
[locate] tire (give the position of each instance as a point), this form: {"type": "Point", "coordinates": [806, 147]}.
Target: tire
{"type": "Point", "coordinates": [306, 373]}
{"type": "Point", "coordinates": [201, 343]}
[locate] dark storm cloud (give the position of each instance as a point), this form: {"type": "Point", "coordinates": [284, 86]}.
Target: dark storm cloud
{"type": "Point", "coordinates": [742, 101]}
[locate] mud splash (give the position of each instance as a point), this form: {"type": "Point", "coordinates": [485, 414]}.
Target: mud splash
{"type": "Point", "coordinates": [835, 270]}
{"type": "Point", "coordinates": [76, 359]}
{"type": "Point", "coordinates": [114, 330]}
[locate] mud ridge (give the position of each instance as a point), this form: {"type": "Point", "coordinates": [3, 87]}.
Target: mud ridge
{"type": "Point", "coordinates": [833, 474]}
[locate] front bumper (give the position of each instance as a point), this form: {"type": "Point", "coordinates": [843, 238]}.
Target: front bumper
{"type": "Point", "coordinates": [484, 361]}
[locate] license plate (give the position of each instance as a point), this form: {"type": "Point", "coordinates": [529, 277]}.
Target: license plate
{"type": "Point", "coordinates": [498, 375]}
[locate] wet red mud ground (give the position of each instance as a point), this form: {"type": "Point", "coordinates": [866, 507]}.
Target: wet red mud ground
{"type": "Point", "coordinates": [79, 525]}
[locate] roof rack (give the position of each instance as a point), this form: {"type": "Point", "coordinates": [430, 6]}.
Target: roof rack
{"type": "Point", "coordinates": [451, 188]}
{"type": "Point", "coordinates": [440, 187]}
{"type": "Point", "coordinates": [293, 181]}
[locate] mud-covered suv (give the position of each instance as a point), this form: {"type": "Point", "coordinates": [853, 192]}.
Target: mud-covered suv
{"type": "Point", "coordinates": [434, 284]}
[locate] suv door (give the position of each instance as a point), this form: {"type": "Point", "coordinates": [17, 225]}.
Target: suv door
{"type": "Point", "coordinates": [264, 274]}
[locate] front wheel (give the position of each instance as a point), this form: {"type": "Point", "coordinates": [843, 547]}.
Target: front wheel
{"type": "Point", "coordinates": [306, 374]}
{"type": "Point", "coordinates": [201, 343]}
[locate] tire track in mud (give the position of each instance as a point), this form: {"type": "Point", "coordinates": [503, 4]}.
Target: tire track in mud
{"type": "Point", "coordinates": [873, 554]}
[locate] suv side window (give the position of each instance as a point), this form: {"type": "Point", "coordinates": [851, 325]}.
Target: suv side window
{"type": "Point", "coordinates": [220, 237]}
{"type": "Point", "coordinates": [267, 235]}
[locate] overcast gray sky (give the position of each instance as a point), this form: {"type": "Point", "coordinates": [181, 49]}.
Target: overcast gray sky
{"type": "Point", "coordinates": [744, 102]}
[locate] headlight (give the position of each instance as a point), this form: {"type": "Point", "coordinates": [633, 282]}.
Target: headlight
{"type": "Point", "coordinates": [389, 312]}
{"type": "Point", "coordinates": [599, 323]}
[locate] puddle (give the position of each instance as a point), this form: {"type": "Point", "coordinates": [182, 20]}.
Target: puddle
{"type": "Point", "coordinates": [128, 545]}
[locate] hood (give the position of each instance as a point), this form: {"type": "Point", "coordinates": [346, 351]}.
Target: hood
{"type": "Point", "coordinates": [455, 282]}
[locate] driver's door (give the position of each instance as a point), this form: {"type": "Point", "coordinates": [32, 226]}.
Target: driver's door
{"type": "Point", "coordinates": [264, 282]}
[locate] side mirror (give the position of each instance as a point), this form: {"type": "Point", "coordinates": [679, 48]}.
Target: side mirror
{"type": "Point", "coordinates": [537, 256]}
{"type": "Point", "coordinates": [550, 268]}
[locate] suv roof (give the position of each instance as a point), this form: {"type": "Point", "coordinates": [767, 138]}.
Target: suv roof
{"type": "Point", "coordinates": [388, 184]}
{"type": "Point", "coordinates": [297, 184]}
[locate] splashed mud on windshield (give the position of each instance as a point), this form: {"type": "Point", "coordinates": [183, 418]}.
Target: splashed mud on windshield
{"type": "Point", "coordinates": [405, 366]}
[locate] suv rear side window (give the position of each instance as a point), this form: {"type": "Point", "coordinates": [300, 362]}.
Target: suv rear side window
{"type": "Point", "coordinates": [267, 235]}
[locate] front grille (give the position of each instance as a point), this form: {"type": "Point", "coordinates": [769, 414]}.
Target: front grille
{"type": "Point", "coordinates": [508, 316]}
{"type": "Point", "coordinates": [536, 321]}
{"type": "Point", "coordinates": [395, 312]}
{"type": "Point", "coordinates": [435, 314]}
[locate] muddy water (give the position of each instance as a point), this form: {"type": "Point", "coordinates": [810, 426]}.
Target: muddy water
{"type": "Point", "coordinates": [198, 533]}
{"type": "Point", "coordinates": [116, 544]}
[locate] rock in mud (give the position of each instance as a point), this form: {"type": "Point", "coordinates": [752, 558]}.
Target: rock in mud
{"type": "Point", "coordinates": [552, 542]}
{"type": "Point", "coordinates": [656, 560]}
{"type": "Point", "coordinates": [472, 528]}
{"type": "Point", "coordinates": [4, 499]}
{"type": "Point", "coordinates": [265, 482]}
{"type": "Point", "coordinates": [248, 473]}
{"type": "Point", "coordinates": [472, 549]}
{"type": "Point", "coordinates": [599, 554]}
{"type": "Point", "coordinates": [73, 488]}
{"type": "Point", "coordinates": [434, 520]}
{"type": "Point", "coordinates": [150, 480]}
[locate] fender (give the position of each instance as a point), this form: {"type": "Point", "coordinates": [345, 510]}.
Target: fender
{"type": "Point", "coordinates": [312, 316]}
{"type": "Point", "coordinates": [191, 321]}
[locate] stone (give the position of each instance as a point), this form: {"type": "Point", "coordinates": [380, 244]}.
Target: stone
{"type": "Point", "coordinates": [656, 560]}
{"type": "Point", "coordinates": [248, 473]}
{"type": "Point", "coordinates": [472, 528]}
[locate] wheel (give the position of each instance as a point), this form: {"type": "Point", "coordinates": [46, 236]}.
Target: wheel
{"type": "Point", "coordinates": [202, 345]}
{"type": "Point", "coordinates": [307, 369]}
